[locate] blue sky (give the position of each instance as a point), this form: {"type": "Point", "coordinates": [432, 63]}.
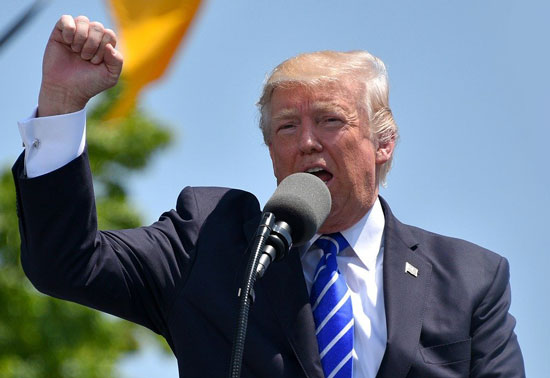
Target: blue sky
{"type": "Point", "coordinates": [469, 90]}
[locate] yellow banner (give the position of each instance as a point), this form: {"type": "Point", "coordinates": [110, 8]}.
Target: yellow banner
{"type": "Point", "coordinates": [149, 32]}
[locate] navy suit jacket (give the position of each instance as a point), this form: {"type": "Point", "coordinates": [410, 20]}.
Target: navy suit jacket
{"type": "Point", "coordinates": [180, 276]}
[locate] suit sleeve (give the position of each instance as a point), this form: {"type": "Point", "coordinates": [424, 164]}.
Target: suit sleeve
{"type": "Point", "coordinates": [134, 274]}
{"type": "Point", "coordinates": [495, 348]}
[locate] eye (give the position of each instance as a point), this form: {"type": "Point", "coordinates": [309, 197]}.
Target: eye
{"type": "Point", "coordinates": [286, 127]}
{"type": "Point", "coordinates": [332, 121]}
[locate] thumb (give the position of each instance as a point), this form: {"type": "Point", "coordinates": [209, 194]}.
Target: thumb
{"type": "Point", "coordinates": [113, 60]}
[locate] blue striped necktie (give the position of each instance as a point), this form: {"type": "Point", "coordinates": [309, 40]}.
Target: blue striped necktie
{"type": "Point", "coordinates": [331, 304]}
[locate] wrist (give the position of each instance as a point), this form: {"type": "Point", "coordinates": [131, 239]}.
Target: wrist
{"type": "Point", "coordinates": [55, 100]}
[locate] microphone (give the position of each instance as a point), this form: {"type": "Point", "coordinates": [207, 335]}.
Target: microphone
{"type": "Point", "coordinates": [300, 204]}
{"type": "Point", "coordinates": [294, 213]}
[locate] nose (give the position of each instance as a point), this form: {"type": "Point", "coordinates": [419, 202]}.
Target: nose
{"type": "Point", "coordinates": [308, 141]}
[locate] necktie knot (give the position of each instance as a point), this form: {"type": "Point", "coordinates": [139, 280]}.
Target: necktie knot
{"type": "Point", "coordinates": [332, 243]}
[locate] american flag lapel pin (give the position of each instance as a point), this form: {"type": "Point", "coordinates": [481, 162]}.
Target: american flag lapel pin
{"type": "Point", "coordinates": [411, 269]}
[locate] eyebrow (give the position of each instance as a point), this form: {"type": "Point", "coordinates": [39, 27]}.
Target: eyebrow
{"type": "Point", "coordinates": [328, 106]}
{"type": "Point", "coordinates": [287, 113]}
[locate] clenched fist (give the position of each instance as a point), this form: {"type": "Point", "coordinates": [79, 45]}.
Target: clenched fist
{"type": "Point", "coordinates": [80, 61]}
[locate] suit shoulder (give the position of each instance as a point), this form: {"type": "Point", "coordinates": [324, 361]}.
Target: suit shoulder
{"type": "Point", "coordinates": [460, 266]}
{"type": "Point", "coordinates": [452, 247]}
{"type": "Point", "coordinates": [195, 206]}
{"type": "Point", "coordinates": [201, 201]}
{"type": "Point", "coordinates": [463, 265]}
{"type": "Point", "coordinates": [442, 250]}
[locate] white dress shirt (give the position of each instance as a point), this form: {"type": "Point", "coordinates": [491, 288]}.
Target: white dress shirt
{"type": "Point", "coordinates": [52, 142]}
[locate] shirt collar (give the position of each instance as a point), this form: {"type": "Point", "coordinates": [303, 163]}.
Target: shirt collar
{"type": "Point", "coordinates": [365, 237]}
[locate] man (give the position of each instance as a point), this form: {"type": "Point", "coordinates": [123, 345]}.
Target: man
{"type": "Point", "coordinates": [418, 304]}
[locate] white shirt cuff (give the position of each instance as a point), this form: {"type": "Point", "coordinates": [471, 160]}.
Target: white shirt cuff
{"type": "Point", "coordinates": [52, 142]}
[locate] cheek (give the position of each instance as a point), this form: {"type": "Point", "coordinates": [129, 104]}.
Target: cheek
{"type": "Point", "coordinates": [359, 163]}
{"type": "Point", "coordinates": [280, 161]}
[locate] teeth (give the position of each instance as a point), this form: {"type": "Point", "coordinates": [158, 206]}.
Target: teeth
{"type": "Point", "coordinates": [313, 170]}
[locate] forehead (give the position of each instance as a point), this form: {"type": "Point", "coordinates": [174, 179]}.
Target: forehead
{"type": "Point", "coordinates": [292, 98]}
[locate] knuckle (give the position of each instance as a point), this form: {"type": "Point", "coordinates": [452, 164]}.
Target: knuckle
{"type": "Point", "coordinates": [110, 36]}
{"type": "Point", "coordinates": [110, 33]}
{"type": "Point", "coordinates": [82, 19]}
{"type": "Point", "coordinates": [66, 22]}
{"type": "Point", "coordinates": [96, 26]}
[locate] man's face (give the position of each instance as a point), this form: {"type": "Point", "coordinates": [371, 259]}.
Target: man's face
{"type": "Point", "coordinates": [322, 130]}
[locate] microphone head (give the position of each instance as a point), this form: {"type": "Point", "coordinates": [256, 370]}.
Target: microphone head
{"type": "Point", "coordinates": [303, 201]}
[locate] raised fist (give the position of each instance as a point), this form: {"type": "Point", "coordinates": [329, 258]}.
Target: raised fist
{"type": "Point", "coordinates": [80, 61]}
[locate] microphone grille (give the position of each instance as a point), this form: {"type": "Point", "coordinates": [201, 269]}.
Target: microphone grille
{"type": "Point", "coordinates": [303, 201]}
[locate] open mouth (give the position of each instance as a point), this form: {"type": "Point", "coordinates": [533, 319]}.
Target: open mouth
{"type": "Point", "coordinates": [323, 174]}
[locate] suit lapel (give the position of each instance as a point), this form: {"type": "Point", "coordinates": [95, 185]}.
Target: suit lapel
{"type": "Point", "coordinates": [284, 288]}
{"type": "Point", "coordinates": [404, 296]}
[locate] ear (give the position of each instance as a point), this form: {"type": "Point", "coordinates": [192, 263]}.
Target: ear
{"type": "Point", "coordinates": [385, 151]}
